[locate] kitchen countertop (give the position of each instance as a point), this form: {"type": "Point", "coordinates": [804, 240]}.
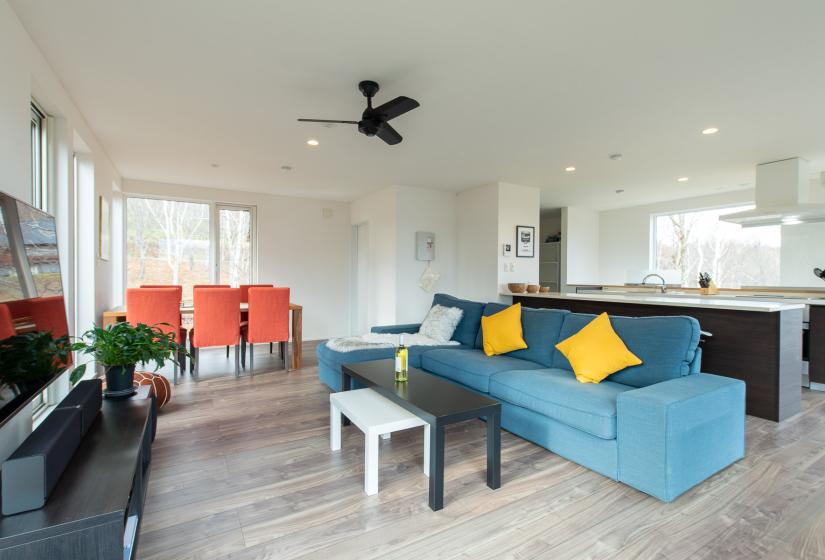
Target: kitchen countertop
{"type": "Point", "coordinates": [706, 302]}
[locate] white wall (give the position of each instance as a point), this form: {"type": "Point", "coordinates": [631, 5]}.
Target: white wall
{"type": "Point", "coordinates": [478, 248]}
{"type": "Point", "coordinates": [297, 247]}
{"type": "Point", "coordinates": [625, 234]}
{"type": "Point", "coordinates": [423, 210]}
{"type": "Point", "coordinates": [517, 206]}
{"type": "Point", "coordinates": [579, 246]}
{"type": "Point", "coordinates": [378, 209]}
{"type": "Point", "coordinates": [24, 73]}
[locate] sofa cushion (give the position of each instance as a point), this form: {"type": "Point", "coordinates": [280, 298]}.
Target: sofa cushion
{"type": "Point", "coordinates": [556, 393]}
{"type": "Point", "coordinates": [334, 358]}
{"type": "Point", "coordinates": [596, 351]}
{"type": "Point", "coordinates": [470, 367]}
{"type": "Point", "coordinates": [468, 327]}
{"type": "Point", "coordinates": [666, 346]}
{"type": "Point", "coordinates": [502, 331]}
{"type": "Point", "coordinates": [540, 329]}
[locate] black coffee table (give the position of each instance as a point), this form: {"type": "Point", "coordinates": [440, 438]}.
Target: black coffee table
{"type": "Point", "coordinates": [438, 402]}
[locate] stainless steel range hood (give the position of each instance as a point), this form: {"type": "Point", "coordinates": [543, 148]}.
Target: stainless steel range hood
{"type": "Point", "coordinates": [785, 195]}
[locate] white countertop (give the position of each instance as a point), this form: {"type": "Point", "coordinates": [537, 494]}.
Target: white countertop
{"type": "Point", "coordinates": [706, 302]}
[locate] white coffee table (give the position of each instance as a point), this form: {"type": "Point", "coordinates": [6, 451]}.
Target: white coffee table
{"type": "Point", "coordinates": [375, 416]}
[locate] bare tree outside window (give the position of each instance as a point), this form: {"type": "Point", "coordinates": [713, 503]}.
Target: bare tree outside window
{"type": "Point", "coordinates": [235, 246]}
{"type": "Point", "coordinates": [167, 242]}
{"type": "Point", "coordinates": [694, 242]}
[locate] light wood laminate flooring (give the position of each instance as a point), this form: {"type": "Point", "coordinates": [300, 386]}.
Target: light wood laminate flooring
{"type": "Point", "coordinates": [242, 470]}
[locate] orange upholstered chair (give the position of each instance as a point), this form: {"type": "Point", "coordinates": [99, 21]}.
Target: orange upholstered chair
{"type": "Point", "coordinates": [49, 314]}
{"type": "Point", "coordinates": [245, 299]}
{"type": "Point", "coordinates": [178, 287]}
{"type": "Point", "coordinates": [216, 321]}
{"type": "Point", "coordinates": [6, 324]}
{"type": "Point", "coordinates": [199, 286]}
{"type": "Point", "coordinates": [155, 306]}
{"type": "Point", "coordinates": [268, 322]}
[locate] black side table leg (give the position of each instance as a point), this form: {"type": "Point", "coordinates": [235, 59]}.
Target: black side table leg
{"type": "Point", "coordinates": [494, 449]}
{"type": "Point", "coordinates": [346, 384]}
{"type": "Point", "coordinates": [436, 467]}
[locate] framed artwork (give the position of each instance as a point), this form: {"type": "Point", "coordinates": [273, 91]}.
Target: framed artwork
{"type": "Point", "coordinates": [105, 227]}
{"type": "Point", "coordinates": [525, 241]}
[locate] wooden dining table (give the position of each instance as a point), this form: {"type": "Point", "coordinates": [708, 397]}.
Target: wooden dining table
{"type": "Point", "coordinates": [118, 315]}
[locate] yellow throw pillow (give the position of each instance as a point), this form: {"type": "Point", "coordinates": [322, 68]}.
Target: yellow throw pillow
{"type": "Point", "coordinates": [502, 331]}
{"type": "Point", "coordinates": [596, 351]}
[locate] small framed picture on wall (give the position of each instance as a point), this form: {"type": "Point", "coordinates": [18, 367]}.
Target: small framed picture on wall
{"type": "Point", "coordinates": [525, 241]}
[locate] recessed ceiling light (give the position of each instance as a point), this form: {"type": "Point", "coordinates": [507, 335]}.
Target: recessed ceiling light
{"type": "Point", "coordinates": [619, 191]}
{"type": "Point", "coordinates": [682, 179]}
{"type": "Point", "coordinates": [615, 157]}
{"type": "Point", "coordinates": [215, 164]}
{"type": "Point", "coordinates": [286, 167]}
{"type": "Point", "coordinates": [570, 168]}
{"type": "Point", "coordinates": [312, 142]}
{"type": "Point", "coordinates": [711, 130]}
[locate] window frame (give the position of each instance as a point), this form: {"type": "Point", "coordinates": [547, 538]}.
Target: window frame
{"type": "Point", "coordinates": [214, 239]}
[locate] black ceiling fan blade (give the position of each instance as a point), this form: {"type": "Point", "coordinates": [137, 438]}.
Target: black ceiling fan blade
{"type": "Point", "coordinates": [388, 134]}
{"type": "Point", "coordinates": [396, 107]}
{"type": "Point", "coordinates": [327, 121]}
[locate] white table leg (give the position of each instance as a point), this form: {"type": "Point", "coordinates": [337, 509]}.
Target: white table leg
{"type": "Point", "coordinates": [426, 450]}
{"type": "Point", "coordinates": [334, 427]}
{"type": "Point", "coordinates": [370, 463]}
{"type": "Point", "coordinates": [386, 436]}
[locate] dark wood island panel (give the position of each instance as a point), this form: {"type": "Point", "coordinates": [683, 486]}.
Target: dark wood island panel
{"type": "Point", "coordinates": [761, 348]}
{"type": "Point", "coordinates": [816, 341]}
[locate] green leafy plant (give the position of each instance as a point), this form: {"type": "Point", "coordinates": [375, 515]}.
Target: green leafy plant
{"type": "Point", "coordinates": [123, 344]}
{"type": "Point", "coordinates": [32, 358]}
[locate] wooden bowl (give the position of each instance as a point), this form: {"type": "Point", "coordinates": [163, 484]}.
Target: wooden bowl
{"type": "Point", "coordinates": [544, 290]}
{"type": "Point", "coordinates": [533, 288]}
{"type": "Point", "coordinates": [516, 287]}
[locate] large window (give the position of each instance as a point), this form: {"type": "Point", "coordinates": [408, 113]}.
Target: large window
{"type": "Point", "coordinates": [38, 157]}
{"type": "Point", "coordinates": [188, 243]}
{"type": "Point", "coordinates": [688, 243]}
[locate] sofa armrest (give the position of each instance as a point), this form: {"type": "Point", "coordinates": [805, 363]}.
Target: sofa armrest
{"type": "Point", "coordinates": [675, 434]}
{"type": "Point", "coordinates": [397, 329]}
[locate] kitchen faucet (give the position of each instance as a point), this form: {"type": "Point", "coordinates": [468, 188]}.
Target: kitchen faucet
{"type": "Point", "coordinates": [663, 287]}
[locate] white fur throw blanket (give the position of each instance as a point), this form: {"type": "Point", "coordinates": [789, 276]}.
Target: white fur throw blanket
{"type": "Point", "coordinates": [382, 340]}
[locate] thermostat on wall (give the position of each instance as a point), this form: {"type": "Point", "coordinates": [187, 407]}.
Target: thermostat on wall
{"type": "Point", "coordinates": [507, 250]}
{"type": "Point", "coordinates": [424, 246]}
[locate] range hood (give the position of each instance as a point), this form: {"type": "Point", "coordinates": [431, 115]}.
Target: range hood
{"type": "Point", "coordinates": [785, 195]}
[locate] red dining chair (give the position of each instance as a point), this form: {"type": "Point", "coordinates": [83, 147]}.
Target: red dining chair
{"type": "Point", "coordinates": [49, 314]}
{"type": "Point", "coordinates": [268, 322]}
{"type": "Point", "coordinates": [154, 307]}
{"type": "Point", "coordinates": [245, 299]}
{"type": "Point", "coordinates": [199, 286]}
{"type": "Point", "coordinates": [216, 322]}
{"type": "Point", "coordinates": [178, 287]}
{"type": "Point", "coordinates": [6, 324]}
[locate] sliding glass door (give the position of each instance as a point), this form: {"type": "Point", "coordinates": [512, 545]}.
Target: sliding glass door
{"type": "Point", "coordinates": [235, 245]}
{"type": "Point", "coordinates": [188, 243]}
{"type": "Point", "coordinates": [167, 242]}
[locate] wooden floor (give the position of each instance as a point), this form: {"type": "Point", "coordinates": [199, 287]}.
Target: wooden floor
{"type": "Point", "coordinates": [242, 470]}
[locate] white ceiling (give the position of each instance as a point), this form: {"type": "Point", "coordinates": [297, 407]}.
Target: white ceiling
{"type": "Point", "coordinates": [509, 91]}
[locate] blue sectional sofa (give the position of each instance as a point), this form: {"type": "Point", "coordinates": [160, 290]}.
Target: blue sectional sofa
{"type": "Point", "coordinates": [661, 427]}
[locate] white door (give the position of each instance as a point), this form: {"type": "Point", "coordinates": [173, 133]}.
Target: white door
{"type": "Point", "coordinates": [360, 280]}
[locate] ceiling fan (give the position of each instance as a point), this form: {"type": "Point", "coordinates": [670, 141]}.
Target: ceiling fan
{"type": "Point", "coordinates": [374, 119]}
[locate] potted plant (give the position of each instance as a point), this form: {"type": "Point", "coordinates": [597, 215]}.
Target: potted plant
{"type": "Point", "coordinates": [707, 287]}
{"type": "Point", "coordinates": [31, 359]}
{"type": "Point", "coordinates": [120, 347]}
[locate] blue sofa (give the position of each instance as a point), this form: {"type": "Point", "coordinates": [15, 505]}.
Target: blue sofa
{"type": "Point", "coordinates": [661, 427]}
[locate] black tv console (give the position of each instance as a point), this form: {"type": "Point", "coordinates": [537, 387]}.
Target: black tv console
{"type": "Point", "coordinates": [94, 511]}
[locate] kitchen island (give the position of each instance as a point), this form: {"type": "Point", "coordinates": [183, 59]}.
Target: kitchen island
{"type": "Point", "coordinates": [758, 342]}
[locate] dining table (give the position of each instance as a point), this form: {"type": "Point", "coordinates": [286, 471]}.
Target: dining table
{"type": "Point", "coordinates": [118, 315]}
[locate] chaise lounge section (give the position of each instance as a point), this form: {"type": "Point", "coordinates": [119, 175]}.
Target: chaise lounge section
{"type": "Point", "coordinates": [661, 427]}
